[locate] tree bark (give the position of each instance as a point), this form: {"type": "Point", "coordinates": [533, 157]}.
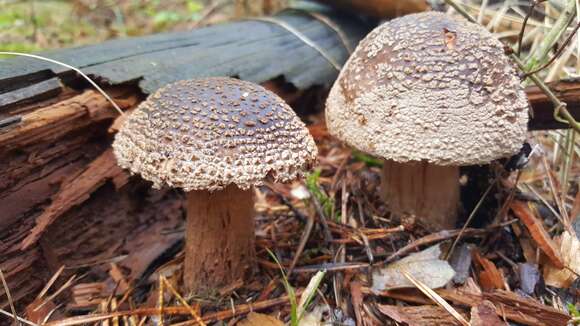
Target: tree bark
{"type": "Point", "coordinates": [427, 191]}
{"type": "Point", "coordinates": [219, 238]}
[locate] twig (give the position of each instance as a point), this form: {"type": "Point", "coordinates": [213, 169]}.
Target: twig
{"type": "Point", "coordinates": [182, 300]}
{"type": "Point", "coordinates": [302, 244]}
{"type": "Point", "coordinates": [327, 235]}
{"type": "Point", "coordinates": [471, 215]}
{"type": "Point", "coordinates": [7, 291]}
{"type": "Point", "coordinates": [525, 22]}
{"type": "Point", "coordinates": [22, 320]}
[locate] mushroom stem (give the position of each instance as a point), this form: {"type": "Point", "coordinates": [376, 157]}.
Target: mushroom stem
{"type": "Point", "coordinates": [219, 246]}
{"type": "Point", "coordinates": [429, 192]}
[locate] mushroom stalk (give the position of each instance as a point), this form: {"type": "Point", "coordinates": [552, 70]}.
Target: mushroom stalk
{"type": "Point", "coordinates": [219, 246]}
{"type": "Point", "coordinates": [429, 192]}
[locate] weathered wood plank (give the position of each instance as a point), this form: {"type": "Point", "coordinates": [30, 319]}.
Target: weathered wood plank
{"type": "Point", "coordinates": [35, 92]}
{"type": "Point", "coordinates": [253, 50]}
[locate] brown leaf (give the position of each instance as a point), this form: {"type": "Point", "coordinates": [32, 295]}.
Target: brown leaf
{"type": "Point", "coordinates": [537, 231]}
{"type": "Point", "coordinates": [256, 319]}
{"type": "Point", "coordinates": [485, 314]}
{"type": "Point", "coordinates": [563, 277]}
{"type": "Point", "coordinates": [489, 277]}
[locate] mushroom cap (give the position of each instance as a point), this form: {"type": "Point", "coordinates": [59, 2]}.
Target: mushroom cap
{"type": "Point", "coordinates": [429, 87]}
{"type": "Point", "coordinates": [205, 134]}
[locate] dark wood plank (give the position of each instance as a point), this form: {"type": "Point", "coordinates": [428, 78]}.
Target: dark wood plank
{"type": "Point", "coordinates": [34, 92]}
{"type": "Point", "coordinates": [253, 50]}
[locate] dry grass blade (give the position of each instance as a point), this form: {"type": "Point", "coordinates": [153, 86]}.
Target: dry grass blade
{"type": "Point", "coordinates": [18, 319]}
{"type": "Point", "coordinates": [7, 291]}
{"type": "Point", "coordinates": [301, 37]}
{"type": "Point", "coordinates": [50, 283]}
{"type": "Point", "coordinates": [303, 239]}
{"type": "Point", "coordinates": [466, 224]}
{"type": "Point", "coordinates": [563, 213]}
{"type": "Point", "coordinates": [59, 291]}
{"type": "Point", "coordinates": [182, 300]}
{"type": "Point", "coordinates": [436, 298]}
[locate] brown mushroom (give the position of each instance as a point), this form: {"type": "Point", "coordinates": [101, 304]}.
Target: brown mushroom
{"type": "Point", "coordinates": [216, 138]}
{"type": "Point", "coordinates": [428, 93]}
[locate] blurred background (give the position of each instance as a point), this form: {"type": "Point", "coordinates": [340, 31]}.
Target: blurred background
{"type": "Point", "coordinates": [34, 25]}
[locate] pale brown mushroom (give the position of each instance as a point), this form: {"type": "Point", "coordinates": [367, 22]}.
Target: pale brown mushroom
{"type": "Point", "coordinates": [216, 138]}
{"type": "Point", "coordinates": [428, 93]}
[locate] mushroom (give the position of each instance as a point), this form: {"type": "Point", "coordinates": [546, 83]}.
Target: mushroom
{"type": "Point", "coordinates": [215, 138]}
{"type": "Point", "coordinates": [428, 93]}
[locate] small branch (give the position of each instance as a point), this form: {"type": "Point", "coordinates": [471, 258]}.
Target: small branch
{"type": "Point", "coordinates": [528, 15]}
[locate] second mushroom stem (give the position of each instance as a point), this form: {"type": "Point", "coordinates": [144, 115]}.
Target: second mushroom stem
{"type": "Point", "coordinates": [427, 191]}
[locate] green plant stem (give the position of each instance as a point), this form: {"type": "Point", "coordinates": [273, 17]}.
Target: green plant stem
{"type": "Point", "coordinates": [541, 54]}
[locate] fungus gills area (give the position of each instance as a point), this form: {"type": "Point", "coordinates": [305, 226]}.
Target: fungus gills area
{"type": "Point", "coordinates": [423, 190]}
{"type": "Point", "coordinates": [219, 238]}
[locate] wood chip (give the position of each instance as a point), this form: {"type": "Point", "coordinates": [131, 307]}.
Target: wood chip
{"type": "Point", "coordinates": [537, 231]}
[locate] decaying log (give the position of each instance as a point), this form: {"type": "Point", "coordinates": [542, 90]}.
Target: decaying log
{"type": "Point", "coordinates": [76, 189]}
{"type": "Point", "coordinates": [419, 315]}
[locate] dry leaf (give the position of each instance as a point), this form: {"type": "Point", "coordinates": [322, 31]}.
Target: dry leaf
{"type": "Point", "coordinates": [570, 250]}
{"type": "Point", "coordinates": [485, 314]}
{"type": "Point", "coordinates": [490, 277]}
{"type": "Point", "coordinates": [537, 231]}
{"type": "Point", "coordinates": [256, 319]}
{"type": "Point", "coordinates": [425, 266]}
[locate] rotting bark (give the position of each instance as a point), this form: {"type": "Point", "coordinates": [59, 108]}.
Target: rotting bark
{"type": "Point", "coordinates": [427, 191]}
{"type": "Point", "coordinates": [526, 311]}
{"type": "Point", "coordinates": [219, 245]}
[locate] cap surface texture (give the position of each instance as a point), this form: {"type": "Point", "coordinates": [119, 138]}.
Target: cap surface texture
{"type": "Point", "coordinates": [205, 134]}
{"type": "Point", "coordinates": [429, 87]}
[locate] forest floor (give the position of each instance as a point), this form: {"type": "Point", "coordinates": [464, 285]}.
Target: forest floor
{"type": "Point", "coordinates": [330, 238]}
